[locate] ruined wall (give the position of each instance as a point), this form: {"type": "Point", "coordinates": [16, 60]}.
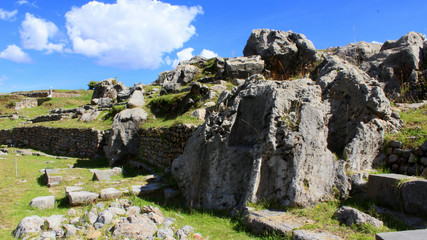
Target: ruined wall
{"type": "Point", "coordinates": [26, 103]}
{"type": "Point", "coordinates": [159, 146]}
{"type": "Point", "coordinates": [60, 141]}
{"type": "Point", "coordinates": [406, 161]}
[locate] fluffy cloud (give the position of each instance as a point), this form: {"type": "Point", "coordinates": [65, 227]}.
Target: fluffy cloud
{"type": "Point", "coordinates": [7, 15]}
{"type": "Point", "coordinates": [208, 54]}
{"type": "Point", "coordinates": [15, 54]}
{"type": "Point", "coordinates": [187, 54]}
{"type": "Point", "coordinates": [131, 34]}
{"type": "Point", "coordinates": [36, 33]}
{"type": "Point", "coordinates": [22, 2]}
{"type": "Point", "coordinates": [183, 55]}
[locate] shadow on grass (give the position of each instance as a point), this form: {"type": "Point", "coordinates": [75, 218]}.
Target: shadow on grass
{"type": "Point", "coordinates": [63, 203]}
{"type": "Point", "coordinates": [41, 180]}
{"type": "Point", "coordinates": [177, 204]}
{"type": "Point", "coordinates": [101, 162]}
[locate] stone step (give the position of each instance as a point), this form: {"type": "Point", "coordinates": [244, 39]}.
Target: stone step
{"type": "Point", "coordinates": [410, 235]}
{"type": "Point", "coordinates": [399, 192]}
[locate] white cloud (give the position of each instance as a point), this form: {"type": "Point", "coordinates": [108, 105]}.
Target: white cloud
{"type": "Point", "coordinates": [7, 15]}
{"type": "Point", "coordinates": [15, 54]}
{"type": "Point", "coordinates": [208, 54]}
{"type": "Point", "coordinates": [131, 34]}
{"type": "Point", "coordinates": [22, 2]}
{"type": "Point", "coordinates": [187, 54]}
{"type": "Point", "coordinates": [183, 55]}
{"type": "Point", "coordinates": [36, 33]}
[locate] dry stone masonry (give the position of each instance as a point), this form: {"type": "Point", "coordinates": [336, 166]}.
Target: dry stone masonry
{"type": "Point", "coordinates": [406, 161]}
{"type": "Point", "coordinates": [159, 146]}
{"type": "Point", "coordinates": [60, 141]}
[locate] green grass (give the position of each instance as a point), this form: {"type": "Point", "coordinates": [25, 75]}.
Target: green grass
{"type": "Point", "coordinates": [415, 131]}
{"type": "Point", "coordinates": [17, 192]}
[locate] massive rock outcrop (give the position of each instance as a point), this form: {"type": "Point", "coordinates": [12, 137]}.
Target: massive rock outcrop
{"type": "Point", "coordinates": [279, 140]}
{"type": "Point", "coordinates": [396, 65]}
{"type": "Point", "coordinates": [358, 53]}
{"type": "Point", "coordinates": [285, 53]}
{"type": "Point", "coordinates": [123, 140]}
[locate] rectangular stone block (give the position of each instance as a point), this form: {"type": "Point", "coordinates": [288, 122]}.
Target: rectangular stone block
{"type": "Point", "coordinates": [411, 234]}
{"type": "Point", "coordinates": [384, 189]}
{"type": "Point", "coordinates": [414, 197]}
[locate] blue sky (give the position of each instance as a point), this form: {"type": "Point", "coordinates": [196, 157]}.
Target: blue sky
{"type": "Point", "coordinates": [66, 44]}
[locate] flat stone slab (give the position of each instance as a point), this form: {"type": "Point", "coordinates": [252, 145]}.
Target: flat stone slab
{"type": "Point", "coordinates": [411, 234]}
{"type": "Point", "coordinates": [314, 235]}
{"type": "Point", "coordinates": [146, 189]}
{"type": "Point", "coordinates": [110, 193]}
{"type": "Point", "coordinates": [44, 202]}
{"type": "Point", "coordinates": [274, 221]}
{"type": "Point", "coordinates": [73, 189]}
{"type": "Point", "coordinates": [414, 197]}
{"type": "Point", "coordinates": [81, 198]}
{"type": "Point", "coordinates": [105, 175]}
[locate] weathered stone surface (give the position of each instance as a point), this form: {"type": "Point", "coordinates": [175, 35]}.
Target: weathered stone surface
{"type": "Point", "coordinates": [262, 145]}
{"type": "Point", "coordinates": [70, 230]}
{"type": "Point", "coordinates": [101, 175]}
{"type": "Point", "coordinates": [280, 222]}
{"type": "Point", "coordinates": [110, 193]}
{"type": "Point", "coordinates": [199, 114]}
{"type": "Point", "coordinates": [123, 141]}
{"type": "Point", "coordinates": [89, 116]}
{"type": "Point", "coordinates": [350, 216]}
{"type": "Point", "coordinates": [184, 232]}
{"type": "Point", "coordinates": [360, 112]}
{"type": "Point", "coordinates": [136, 227]}
{"type": "Point", "coordinates": [383, 188]}
{"type": "Point", "coordinates": [172, 80]}
{"type": "Point", "coordinates": [287, 53]}
{"type": "Point", "coordinates": [136, 100]}
{"type": "Point", "coordinates": [313, 235]}
{"type": "Point", "coordinates": [44, 202]}
{"type": "Point", "coordinates": [30, 224]}
{"type": "Point", "coordinates": [105, 217]}
{"type": "Point", "coordinates": [397, 63]}
{"type": "Point", "coordinates": [410, 234]}
{"type": "Point", "coordinates": [243, 67]}
{"type": "Point", "coordinates": [140, 190]}
{"type": "Point", "coordinates": [414, 197]}
{"type": "Point", "coordinates": [51, 178]}
{"type": "Point", "coordinates": [81, 198]}
{"type": "Point", "coordinates": [54, 221]}
{"type": "Point", "coordinates": [105, 89]}
{"type": "Point", "coordinates": [359, 52]}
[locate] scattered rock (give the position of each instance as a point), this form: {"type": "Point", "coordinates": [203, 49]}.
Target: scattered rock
{"type": "Point", "coordinates": [51, 179]}
{"type": "Point", "coordinates": [265, 221]}
{"type": "Point", "coordinates": [30, 224]}
{"type": "Point", "coordinates": [313, 235]}
{"type": "Point", "coordinates": [134, 227]}
{"type": "Point", "coordinates": [44, 202]}
{"type": "Point", "coordinates": [243, 67]}
{"type": "Point", "coordinates": [81, 198]}
{"type": "Point", "coordinates": [110, 193]}
{"type": "Point", "coordinates": [350, 216]}
{"type": "Point", "coordinates": [199, 114]}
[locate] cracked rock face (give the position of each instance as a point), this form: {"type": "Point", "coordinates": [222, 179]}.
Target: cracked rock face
{"type": "Point", "coordinates": [287, 53]}
{"type": "Point", "coordinates": [272, 140]}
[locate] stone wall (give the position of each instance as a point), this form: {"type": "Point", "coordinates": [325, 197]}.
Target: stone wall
{"type": "Point", "coordinates": [159, 146]}
{"type": "Point", "coordinates": [407, 161]}
{"type": "Point", "coordinates": [26, 103]}
{"type": "Point", "coordinates": [45, 93]}
{"type": "Point", "coordinates": [60, 141]}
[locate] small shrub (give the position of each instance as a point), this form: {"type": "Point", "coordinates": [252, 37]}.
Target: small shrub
{"type": "Point", "coordinates": [114, 111]}
{"type": "Point", "coordinates": [92, 84]}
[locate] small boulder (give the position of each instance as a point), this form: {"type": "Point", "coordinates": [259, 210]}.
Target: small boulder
{"type": "Point", "coordinates": [44, 202]}
{"type": "Point", "coordinates": [350, 216]}
{"type": "Point", "coordinates": [243, 67]}
{"type": "Point", "coordinates": [136, 100]}
{"type": "Point", "coordinates": [32, 224]}
{"type": "Point", "coordinates": [134, 227]}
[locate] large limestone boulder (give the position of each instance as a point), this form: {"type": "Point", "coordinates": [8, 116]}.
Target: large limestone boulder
{"type": "Point", "coordinates": [359, 112]}
{"type": "Point", "coordinates": [359, 52]}
{"type": "Point", "coordinates": [397, 63]}
{"type": "Point", "coordinates": [270, 143]}
{"type": "Point", "coordinates": [136, 100]}
{"type": "Point", "coordinates": [104, 89]}
{"type": "Point", "coordinates": [123, 141]}
{"type": "Point", "coordinates": [286, 53]}
{"type": "Point", "coordinates": [185, 72]}
{"type": "Point", "coordinates": [280, 140]}
{"type": "Point", "coordinates": [243, 67]}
